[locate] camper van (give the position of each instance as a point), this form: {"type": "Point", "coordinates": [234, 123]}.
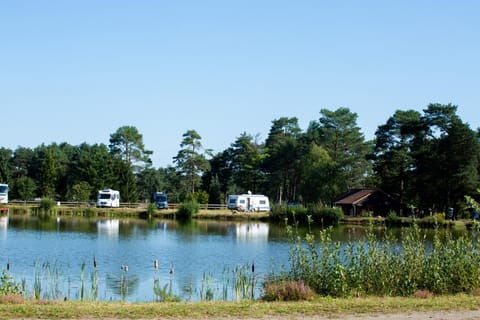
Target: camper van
{"type": "Point", "coordinates": [160, 200]}
{"type": "Point", "coordinates": [108, 198]}
{"type": "Point", "coordinates": [3, 193]}
{"type": "Point", "coordinates": [248, 202]}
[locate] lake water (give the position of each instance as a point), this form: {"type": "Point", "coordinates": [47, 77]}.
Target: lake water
{"type": "Point", "coordinates": [203, 255]}
{"type": "Point", "coordinates": [201, 252]}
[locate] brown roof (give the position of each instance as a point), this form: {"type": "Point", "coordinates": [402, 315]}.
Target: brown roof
{"type": "Point", "coordinates": [356, 197]}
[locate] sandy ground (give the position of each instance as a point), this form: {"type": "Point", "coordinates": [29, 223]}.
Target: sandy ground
{"type": "Point", "coordinates": [435, 315]}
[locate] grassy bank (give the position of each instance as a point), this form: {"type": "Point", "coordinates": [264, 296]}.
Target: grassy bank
{"type": "Point", "coordinates": [218, 214]}
{"type": "Point", "coordinates": [214, 310]}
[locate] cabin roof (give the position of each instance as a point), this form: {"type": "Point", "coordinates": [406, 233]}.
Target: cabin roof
{"type": "Point", "coordinates": [357, 196]}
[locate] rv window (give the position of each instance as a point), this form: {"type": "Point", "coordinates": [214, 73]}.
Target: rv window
{"type": "Point", "coordinates": [242, 201]}
{"type": "Point", "coordinates": [104, 196]}
{"type": "Point", "coordinates": [232, 200]}
{"type": "Point", "coordinates": [263, 202]}
{"type": "Point", "coordinates": [161, 197]}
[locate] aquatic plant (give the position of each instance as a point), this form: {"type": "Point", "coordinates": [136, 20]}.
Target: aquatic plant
{"type": "Point", "coordinates": [8, 286]}
{"type": "Point", "coordinates": [383, 266]}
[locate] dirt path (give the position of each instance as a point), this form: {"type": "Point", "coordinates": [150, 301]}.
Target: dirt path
{"type": "Point", "coordinates": [434, 315]}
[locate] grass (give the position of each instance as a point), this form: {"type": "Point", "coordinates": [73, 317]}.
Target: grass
{"type": "Point", "coordinates": [212, 310]}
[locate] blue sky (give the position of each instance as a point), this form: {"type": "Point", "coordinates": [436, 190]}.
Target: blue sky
{"type": "Point", "coordinates": [75, 71]}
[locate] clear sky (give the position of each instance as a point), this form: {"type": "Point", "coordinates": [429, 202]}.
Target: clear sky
{"type": "Point", "coordinates": [76, 70]}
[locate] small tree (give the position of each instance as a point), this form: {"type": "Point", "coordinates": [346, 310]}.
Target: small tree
{"type": "Point", "coordinates": [80, 192]}
{"type": "Point", "coordinates": [190, 160]}
{"type": "Point", "coordinates": [24, 188]}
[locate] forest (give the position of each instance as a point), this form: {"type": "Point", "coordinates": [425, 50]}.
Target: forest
{"type": "Point", "coordinates": [427, 159]}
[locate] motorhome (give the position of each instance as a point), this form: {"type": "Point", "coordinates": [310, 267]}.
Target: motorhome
{"type": "Point", "coordinates": [161, 200]}
{"type": "Point", "coordinates": [248, 202]}
{"type": "Point", "coordinates": [108, 198]}
{"type": "Point", "coordinates": [3, 193]}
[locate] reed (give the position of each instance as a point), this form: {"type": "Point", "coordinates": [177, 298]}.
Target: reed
{"type": "Point", "coordinates": [243, 283]}
{"type": "Point", "coordinates": [383, 267]}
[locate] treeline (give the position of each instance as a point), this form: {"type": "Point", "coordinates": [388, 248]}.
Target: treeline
{"type": "Point", "coordinates": [425, 160]}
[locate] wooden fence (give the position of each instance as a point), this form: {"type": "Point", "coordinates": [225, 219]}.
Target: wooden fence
{"type": "Point", "coordinates": [133, 205]}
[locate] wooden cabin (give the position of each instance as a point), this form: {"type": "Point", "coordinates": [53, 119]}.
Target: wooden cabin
{"type": "Point", "coordinates": [354, 202]}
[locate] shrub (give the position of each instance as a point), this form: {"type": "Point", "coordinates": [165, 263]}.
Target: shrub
{"type": "Point", "coordinates": [393, 219]}
{"type": "Point", "coordinates": [188, 209]}
{"type": "Point", "coordinates": [327, 216]}
{"type": "Point", "coordinates": [8, 286]}
{"type": "Point", "coordinates": [292, 213]}
{"type": "Point", "coordinates": [385, 266]}
{"type": "Point", "coordinates": [47, 205]}
{"type": "Point", "coordinates": [151, 209]}
{"type": "Point", "coordinates": [200, 197]}
{"type": "Point", "coordinates": [286, 291]}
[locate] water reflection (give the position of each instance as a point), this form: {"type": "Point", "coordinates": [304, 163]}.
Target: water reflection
{"type": "Point", "coordinates": [124, 285]}
{"type": "Point", "coordinates": [202, 251]}
{"type": "Point", "coordinates": [109, 228]}
{"type": "Point", "coordinates": [3, 226]}
{"type": "Point", "coordinates": [3, 222]}
{"type": "Point", "coordinates": [252, 232]}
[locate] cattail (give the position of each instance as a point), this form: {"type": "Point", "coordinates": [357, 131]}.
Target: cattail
{"type": "Point", "coordinates": [172, 271]}
{"type": "Point", "coordinates": [8, 265]}
{"type": "Point", "coordinates": [94, 262]}
{"type": "Point", "coordinates": [155, 264]}
{"type": "Point", "coordinates": [253, 267]}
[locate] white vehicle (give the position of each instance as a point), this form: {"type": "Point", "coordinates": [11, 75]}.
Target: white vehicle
{"type": "Point", "coordinates": [3, 193]}
{"type": "Point", "coordinates": [248, 202]}
{"type": "Point", "coordinates": [108, 198]}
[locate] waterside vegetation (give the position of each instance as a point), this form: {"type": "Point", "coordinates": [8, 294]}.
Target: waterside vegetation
{"type": "Point", "coordinates": [12, 307]}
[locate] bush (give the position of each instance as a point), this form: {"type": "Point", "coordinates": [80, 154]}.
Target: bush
{"type": "Point", "coordinates": [292, 213]}
{"type": "Point", "coordinates": [326, 216]}
{"type": "Point", "coordinates": [331, 216]}
{"type": "Point", "coordinates": [188, 209]}
{"type": "Point", "coordinates": [151, 209]}
{"type": "Point", "coordinates": [47, 205]}
{"type": "Point", "coordinates": [286, 291]}
{"type": "Point", "coordinates": [384, 266]}
{"type": "Point", "coordinates": [8, 286]}
{"type": "Point", "coordinates": [393, 219]}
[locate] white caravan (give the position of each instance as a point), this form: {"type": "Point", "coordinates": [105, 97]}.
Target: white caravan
{"type": "Point", "coordinates": [248, 202]}
{"type": "Point", "coordinates": [108, 198]}
{"type": "Point", "coordinates": [3, 193]}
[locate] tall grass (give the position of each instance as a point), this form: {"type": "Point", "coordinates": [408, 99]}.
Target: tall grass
{"type": "Point", "coordinates": [384, 266]}
{"type": "Point", "coordinates": [320, 214]}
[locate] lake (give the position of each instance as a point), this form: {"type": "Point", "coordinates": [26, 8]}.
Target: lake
{"type": "Point", "coordinates": [110, 259]}
{"type": "Point", "coordinates": [201, 253]}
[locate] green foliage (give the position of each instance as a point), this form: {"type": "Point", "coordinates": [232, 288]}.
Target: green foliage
{"type": "Point", "coordinates": [200, 196]}
{"type": "Point", "coordinates": [47, 205]}
{"type": "Point", "coordinates": [190, 160]}
{"type": "Point", "coordinates": [288, 212]}
{"type": "Point", "coordinates": [382, 266]}
{"type": "Point", "coordinates": [127, 144]}
{"type": "Point", "coordinates": [392, 219]}
{"type": "Point", "coordinates": [312, 212]}
{"type": "Point", "coordinates": [8, 286]}
{"type": "Point", "coordinates": [24, 188]}
{"type": "Point", "coordinates": [151, 209]}
{"type": "Point", "coordinates": [188, 209]}
{"type": "Point", "coordinates": [164, 294]}
{"type": "Point", "coordinates": [80, 192]}
{"type": "Point", "coordinates": [282, 146]}
{"type": "Point", "coordinates": [327, 216]}
{"type": "Point", "coordinates": [126, 182]}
